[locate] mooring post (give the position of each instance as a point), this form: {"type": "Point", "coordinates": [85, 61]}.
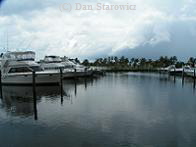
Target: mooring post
{"type": "Point", "coordinates": [85, 82]}
{"type": "Point", "coordinates": [34, 85]}
{"type": "Point", "coordinates": [1, 86]}
{"type": "Point", "coordinates": [75, 84]}
{"type": "Point", "coordinates": [183, 77]}
{"type": "Point", "coordinates": [194, 78]}
{"type": "Point", "coordinates": [85, 71]}
{"type": "Point", "coordinates": [174, 74]}
{"type": "Point", "coordinates": [75, 71]}
{"type": "Point", "coordinates": [61, 84]}
{"type": "Point", "coordinates": [34, 95]}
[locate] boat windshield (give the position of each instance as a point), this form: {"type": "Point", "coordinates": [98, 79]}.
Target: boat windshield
{"type": "Point", "coordinates": [25, 69]}
{"type": "Point", "coordinates": [19, 70]}
{"type": "Point", "coordinates": [36, 68]}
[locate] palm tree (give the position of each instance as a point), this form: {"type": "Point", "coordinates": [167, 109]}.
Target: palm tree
{"type": "Point", "coordinates": [192, 61]}
{"type": "Point", "coordinates": [86, 62]}
{"type": "Point", "coordinates": [173, 60]}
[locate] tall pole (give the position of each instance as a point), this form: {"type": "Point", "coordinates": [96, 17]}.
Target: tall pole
{"type": "Point", "coordinates": [174, 74]}
{"type": "Point", "coordinates": [1, 86]}
{"type": "Point", "coordinates": [85, 83]}
{"type": "Point", "coordinates": [183, 77]}
{"type": "Point", "coordinates": [75, 84]}
{"type": "Point", "coordinates": [34, 95]}
{"type": "Point", "coordinates": [61, 84]}
{"type": "Point", "coordinates": [7, 42]}
{"type": "Point", "coordinates": [194, 78]}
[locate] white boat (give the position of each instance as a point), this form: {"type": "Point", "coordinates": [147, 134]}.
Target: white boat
{"type": "Point", "coordinates": [70, 69]}
{"type": "Point", "coordinates": [176, 71]}
{"type": "Point", "coordinates": [55, 63]}
{"type": "Point", "coordinates": [190, 71]}
{"type": "Point", "coordinates": [80, 70]}
{"type": "Point", "coordinates": [17, 68]}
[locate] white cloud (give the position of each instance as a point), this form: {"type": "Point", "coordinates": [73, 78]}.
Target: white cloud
{"type": "Point", "coordinates": [86, 33]}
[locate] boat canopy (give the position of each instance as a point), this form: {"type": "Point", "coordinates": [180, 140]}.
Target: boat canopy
{"type": "Point", "coordinates": [19, 56]}
{"type": "Point", "coordinates": [53, 59]}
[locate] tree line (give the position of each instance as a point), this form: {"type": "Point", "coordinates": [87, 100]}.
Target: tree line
{"type": "Point", "coordinates": [123, 62]}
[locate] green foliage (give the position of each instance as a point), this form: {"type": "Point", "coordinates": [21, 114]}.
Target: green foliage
{"type": "Point", "coordinates": [116, 63]}
{"type": "Point", "coordinates": [86, 62]}
{"type": "Point", "coordinates": [192, 61]}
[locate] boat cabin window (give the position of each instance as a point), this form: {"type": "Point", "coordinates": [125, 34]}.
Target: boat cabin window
{"type": "Point", "coordinates": [19, 69]}
{"type": "Point", "coordinates": [25, 69]}
{"type": "Point", "coordinates": [36, 68]}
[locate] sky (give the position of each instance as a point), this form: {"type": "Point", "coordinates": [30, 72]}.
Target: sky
{"type": "Point", "coordinates": [156, 28]}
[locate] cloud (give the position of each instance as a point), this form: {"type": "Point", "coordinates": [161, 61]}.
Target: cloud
{"type": "Point", "coordinates": [42, 27]}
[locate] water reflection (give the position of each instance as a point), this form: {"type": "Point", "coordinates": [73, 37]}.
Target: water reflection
{"type": "Point", "coordinates": [20, 100]}
{"type": "Point", "coordinates": [125, 109]}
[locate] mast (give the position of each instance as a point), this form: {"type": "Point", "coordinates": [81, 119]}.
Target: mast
{"type": "Point", "coordinates": [7, 42]}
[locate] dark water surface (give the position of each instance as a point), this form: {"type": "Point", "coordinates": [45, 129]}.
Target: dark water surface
{"type": "Point", "coordinates": [126, 109]}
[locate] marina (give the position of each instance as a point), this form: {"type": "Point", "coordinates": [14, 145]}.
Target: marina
{"type": "Point", "coordinates": [139, 104]}
{"type": "Point", "coordinates": [20, 68]}
{"type": "Point", "coordinates": [97, 73]}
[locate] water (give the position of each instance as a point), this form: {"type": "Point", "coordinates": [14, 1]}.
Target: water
{"type": "Point", "coordinates": [124, 109]}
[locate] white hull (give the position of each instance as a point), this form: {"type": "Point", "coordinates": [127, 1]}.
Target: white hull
{"type": "Point", "coordinates": [71, 73]}
{"type": "Point", "coordinates": [27, 79]}
{"type": "Point", "coordinates": [190, 72]}
{"type": "Point", "coordinates": [176, 70]}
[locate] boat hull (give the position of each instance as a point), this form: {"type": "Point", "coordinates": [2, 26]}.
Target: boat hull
{"type": "Point", "coordinates": [177, 71]}
{"type": "Point", "coordinates": [68, 75]}
{"type": "Point", "coordinates": [190, 73]}
{"type": "Point", "coordinates": [27, 79]}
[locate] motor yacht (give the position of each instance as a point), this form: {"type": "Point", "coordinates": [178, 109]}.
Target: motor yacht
{"type": "Point", "coordinates": [69, 68]}
{"type": "Point", "coordinates": [190, 71]}
{"type": "Point", "coordinates": [17, 68]}
{"type": "Point", "coordinates": [52, 63]}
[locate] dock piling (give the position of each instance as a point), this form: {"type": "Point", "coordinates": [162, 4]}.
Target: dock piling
{"type": "Point", "coordinates": [61, 84]}
{"type": "Point", "coordinates": [34, 84]}
{"type": "Point", "coordinates": [1, 86]}
{"type": "Point", "coordinates": [85, 83]}
{"type": "Point", "coordinates": [75, 85]}
{"type": "Point", "coordinates": [183, 77]}
{"type": "Point", "coordinates": [34, 95]}
{"type": "Point", "coordinates": [174, 74]}
{"type": "Point", "coordinates": [194, 78]}
{"type": "Point", "coordinates": [85, 72]}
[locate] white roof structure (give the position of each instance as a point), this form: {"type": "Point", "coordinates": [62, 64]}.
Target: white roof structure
{"type": "Point", "coordinates": [28, 55]}
{"type": "Point", "coordinates": [49, 59]}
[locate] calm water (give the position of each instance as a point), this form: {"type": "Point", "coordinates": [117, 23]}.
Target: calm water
{"type": "Point", "coordinates": [127, 109]}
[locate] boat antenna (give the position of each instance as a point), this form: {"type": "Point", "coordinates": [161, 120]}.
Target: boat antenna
{"type": "Point", "coordinates": [7, 42]}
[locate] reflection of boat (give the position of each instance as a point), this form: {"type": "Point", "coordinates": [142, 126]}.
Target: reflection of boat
{"type": "Point", "coordinates": [25, 92]}
{"type": "Point", "coordinates": [18, 100]}
{"type": "Point", "coordinates": [17, 68]}
{"type": "Point", "coordinates": [190, 72]}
